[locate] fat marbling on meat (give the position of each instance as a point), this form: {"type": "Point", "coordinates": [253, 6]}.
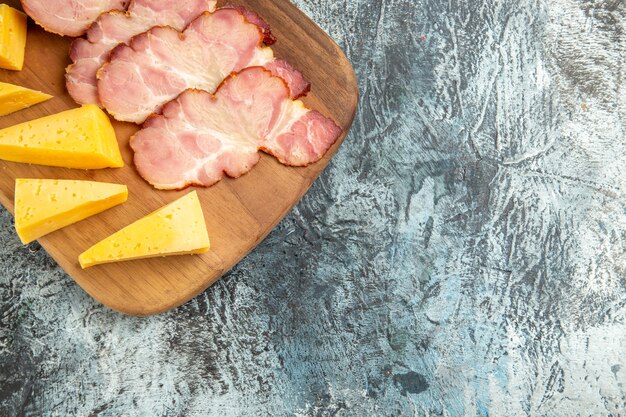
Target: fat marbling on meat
{"type": "Point", "coordinates": [69, 17]}
{"type": "Point", "coordinates": [115, 27]}
{"type": "Point", "coordinates": [201, 137]}
{"type": "Point", "coordinates": [158, 65]}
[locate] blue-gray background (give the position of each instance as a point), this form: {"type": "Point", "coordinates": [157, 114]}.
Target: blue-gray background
{"type": "Point", "coordinates": [463, 255]}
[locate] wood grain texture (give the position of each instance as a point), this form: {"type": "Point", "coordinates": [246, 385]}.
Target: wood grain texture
{"type": "Point", "coordinates": [239, 212]}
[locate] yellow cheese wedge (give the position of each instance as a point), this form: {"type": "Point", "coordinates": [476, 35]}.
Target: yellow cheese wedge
{"type": "Point", "coordinates": [14, 98]}
{"type": "Point", "coordinates": [12, 38]}
{"type": "Point", "coordinates": [78, 138]}
{"type": "Point", "coordinates": [43, 206]}
{"type": "Point", "coordinates": [176, 229]}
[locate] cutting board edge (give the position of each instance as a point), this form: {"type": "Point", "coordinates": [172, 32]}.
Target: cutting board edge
{"type": "Point", "coordinates": [343, 69]}
{"type": "Point", "coordinates": [143, 311]}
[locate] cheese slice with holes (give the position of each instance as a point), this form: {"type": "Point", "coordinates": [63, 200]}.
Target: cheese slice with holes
{"type": "Point", "coordinates": [43, 206]}
{"type": "Point", "coordinates": [14, 98]}
{"type": "Point", "coordinates": [79, 138]}
{"type": "Point", "coordinates": [176, 229]}
{"type": "Point", "coordinates": [12, 38]}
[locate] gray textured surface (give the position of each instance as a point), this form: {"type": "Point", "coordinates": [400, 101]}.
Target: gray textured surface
{"type": "Point", "coordinates": [464, 254]}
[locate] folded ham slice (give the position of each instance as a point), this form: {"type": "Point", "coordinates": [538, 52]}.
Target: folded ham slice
{"type": "Point", "coordinates": [69, 17]}
{"type": "Point", "coordinates": [201, 137]}
{"type": "Point", "coordinates": [115, 27]}
{"type": "Point", "coordinates": [156, 66]}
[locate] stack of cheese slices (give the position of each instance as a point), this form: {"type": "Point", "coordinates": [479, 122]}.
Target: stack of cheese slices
{"type": "Point", "coordinates": [203, 82]}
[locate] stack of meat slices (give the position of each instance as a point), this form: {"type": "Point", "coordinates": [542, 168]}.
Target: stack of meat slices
{"type": "Point", "coordinates": [204, 82]}
{"type": "Point", "coordinates": [117, 27]}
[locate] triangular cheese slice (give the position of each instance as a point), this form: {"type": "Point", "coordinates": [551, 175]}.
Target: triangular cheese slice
{"type": "Point", "coordinates": [79, 138]}
{"type": "Point", "coordinates": [13, 28]}
{"type": "Point", "coordinates": [14, 98]}
{"type": "Point", "coordinates": [43, 206]}
{"type": "Point", "coordinates": [176, 229]}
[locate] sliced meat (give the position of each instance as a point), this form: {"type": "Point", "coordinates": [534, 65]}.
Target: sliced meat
{"type": "Point", "coordinates": [115, 27]}
{"type": "Point", "coordinates": [160, 64]}
{"type": "Point", "coordinates": [252, 17]}
{"type": "Point", "coordinates": [69, 17]}
{"type": "Point", "coordinates": [298, 85]}
{"type": "Point", "coordinates": [201, 137]}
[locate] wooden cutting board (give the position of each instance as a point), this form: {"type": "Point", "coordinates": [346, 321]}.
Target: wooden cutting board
{"type": "Point", "coordinates": [239, 213]}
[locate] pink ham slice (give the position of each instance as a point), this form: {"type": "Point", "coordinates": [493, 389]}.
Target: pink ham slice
{"type": "Point", "coordinates": [69, 17]}
{"type": "Point", "coordinates": [252, 17]}
{"type": "Point", "coordinates": [201, 137]}
{"type": "Point", "coordinates": [115, 27]}
{"type": "Point", "coordinates": [160, 64]}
